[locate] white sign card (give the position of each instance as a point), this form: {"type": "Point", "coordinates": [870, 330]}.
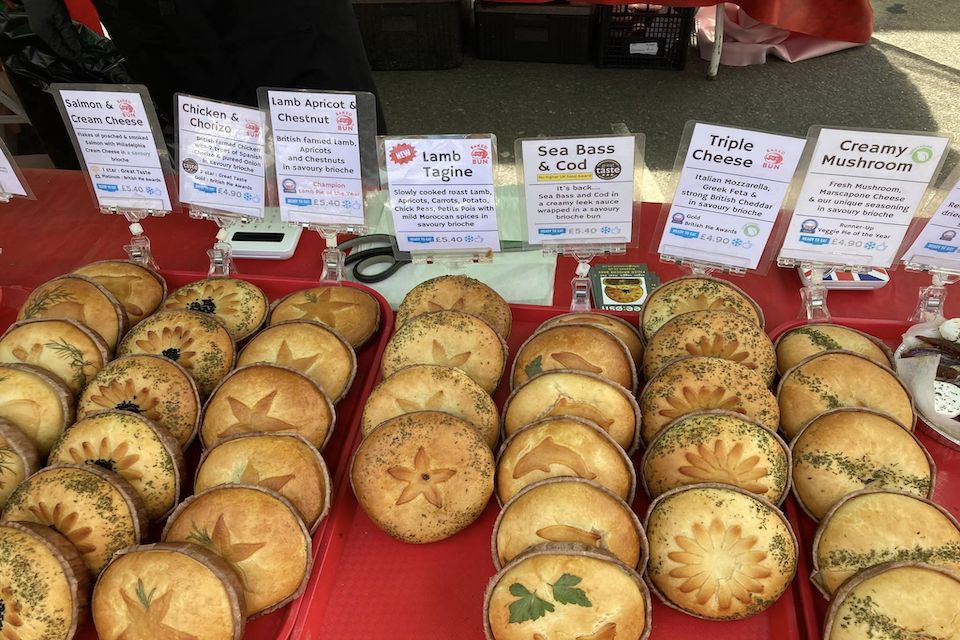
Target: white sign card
{"type": "Point", "coordinates": [579, 190]}
{"type": "Point", "coordinates": [938, 244]}
{"type": "Point", "coordinates": [316, 145]}
{"type": "Point", "coordinates": [728, 197]}
{"type": "Point", "coordinates": [221, 149]}
{"type": "Point", "coordinates": [859, 194]}
{"type": "Point", "coordinates": [114, 138]}
{"type": "Point", "coordinates": [442, 192]}
{"type": "Point", "coordinates": [11, 180]}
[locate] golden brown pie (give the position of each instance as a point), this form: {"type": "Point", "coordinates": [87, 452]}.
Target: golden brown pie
{"type": "Point", "coordinates": [422, 477]}
{"type": "Point", "coordinates": [78, 298]}
{"type": "Point", "coordinates": [130, 445]}
{"type": "Point", "coordinates": [718, 552]}
{"type": "Point", "coordinates": [901, 526]}
{"type": "Point", "coordinates": [572, 510]}
{"type": "Point", "coordinates": [268, 398]}
{"type": "Point", "coordinates": [457, 293]}
{"type": "Point", "coordinates": [563, 446]}
{"type": "Point", "coordinates": [309, 347]}
{"type": "Point", "coordinates": [582, 347]}
{"type": "Point", "coordinates": [240, 305]}
{"type": "Point", "coordinates": [153, 386]}
{"type": "Point", "coordinates": [18, 459]}
{"type": "Point", "coordinates": [694, 293]}
{"type": "Point", "coordinates": [96, 510]}
{"type": "Point", "coordinates": [563, 591]}
{"type": "Point", "coordinates": [897, 600]}
{"type": "Point", "coordinates": [432, 388]}
{"type": "Point", "coordinates": [169, 591]}
{"type": "Point", "coordinates": [615, 325]}
{"type": "Point", "coordinates": [801, 343]}
{"type": "Point", "coordinates": [449, 339]}
{"type": "Point", "coordinates": [351, 311]}
{"type": "Point", "coordinates": [624, 293]}
{"type": "Point", "coordinates": [38, 403]}
{"type": "Point", "coordinates": [700, 384]}
{"type": "Point", "coordinates": [715, 334]}
{"type": "Point", "coordinates": [258, 532]}
{"type": "Point", "coordinates": [832, 380]}
{"type": "Point", "coordinates": [565, 392]}
{"type": "Point", "coordinates": [44, 586]}
{"type": "Point", "coordinates": [848, 449]}
{"type": "Point", "coordinates": [67, 349]}
{"type": "Point", "coordinates": [284, 462]}
{"type": "Point", "coordinates": [197, 342]}
{"type": "Point", "coordinates": [717, 446]}
{"type": "Point", "coordinates": [139, 289]}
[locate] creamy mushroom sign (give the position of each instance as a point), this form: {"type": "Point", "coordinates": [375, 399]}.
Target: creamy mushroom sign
{"type": "Point", "coordinates": [859, 194]}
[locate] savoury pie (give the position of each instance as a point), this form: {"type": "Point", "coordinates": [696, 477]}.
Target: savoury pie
{"type": "Point", "coordinates": [81, 299]}
{"type": "Point", "coordinates": [67, 349]}
{"type": "Point", "coordinates": [240, 305]}
{"type": "Point", "coordinates": [139, 289]}
{"type": "Point", "coordinates": [801, 343]}
{"type": "Point", "coordinates": [695, 293]}
{"type": "Point", "coordinates": [18, 459]}
{"type": "Point", "coordinates": [349, 310]}
{"type": "Point", "coordinates": [615, 325]}
{"type": "Point", "coordinates": [38, 403]}
{"type": "Point", "coordinates": [582, 347]}
{"type": "Point", "coordinates": [457, 293]}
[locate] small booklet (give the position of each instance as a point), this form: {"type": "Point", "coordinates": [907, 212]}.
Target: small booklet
{"type": "Point", "coordinates": [621, 287]}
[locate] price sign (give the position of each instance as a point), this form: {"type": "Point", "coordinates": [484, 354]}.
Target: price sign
{"type": "Point", "coordinates": [113, 136]}
{"type": "Point", "coordinates": [938, 244]}
{"type": "Point", "coordinates": [221, 150]}
{"type": "Point", "coordinates": [860, 191]}
{"type": "Point", "coordinates": [442, 193]}
{"type": "Point", "coordinates": [579, 190]}
{"type": "Point", "coordinates": [728, 197]}
{"type": "Point", "coordinates": [11, 180]}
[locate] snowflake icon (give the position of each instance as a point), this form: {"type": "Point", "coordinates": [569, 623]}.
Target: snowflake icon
{"type": "Point", "coordinates": [870, 246]}
{"type": "Point", "coordinates": [736, 242]}
{"type": "Point", "coordinates": [605, 230]}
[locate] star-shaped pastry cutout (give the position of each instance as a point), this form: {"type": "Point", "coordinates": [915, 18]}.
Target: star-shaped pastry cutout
{"type": "Point", "coordinates": [421, 480]}
{"type": "Point", "coordinates": [255, 418]}
{"type": "Point", "coordinates": [285, 358]}
{"type": "Point", "coordinates": [146, 613]}
{"type": "Point", "coordinates": [322, 307]}
{"type": "Point", "coordinates": [440, 356]}
{"type": "Point", "coordinates": [433, 403]}
{"type": "Point", "coordinates": [458, 305]}
{"type": "Point", "coordinates": [221, 542]}
{"type": "Point", "coordinates": [250, 475]}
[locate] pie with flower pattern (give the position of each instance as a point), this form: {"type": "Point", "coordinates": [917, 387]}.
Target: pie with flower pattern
{"type": "Point", "coordinates": [139, 451]}
{"type": "Point", "coordinates": [351, 311]}
{"type": "Point", "coordinates": [139, 289]}
{"type": "Point", "coordinates": [96, 510]}
{"type": "Point", "coordinates": [37, 403]}
{"type": "Point", "coordinates": [240, 305]}
{"type": "Point", "coordinates": [695, 293]}
{"type": "Point", "coordinates": [718, 552]}
{"type": "Point", "coordinates": [457, 293]}
{"type": "Point", "coordinates": [65, 348]}
{"type": "Point", "coordinates": [81, 299]}
{"type": "Point", "coordinates": [197, 342]}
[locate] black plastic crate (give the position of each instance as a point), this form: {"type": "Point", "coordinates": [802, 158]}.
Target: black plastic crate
{"type": "Point", "coordinates": [559, 32]}
{"type": "Point", "coordinates": [643, 35]}
{"type": "Point", "coordinates": [410, 34]}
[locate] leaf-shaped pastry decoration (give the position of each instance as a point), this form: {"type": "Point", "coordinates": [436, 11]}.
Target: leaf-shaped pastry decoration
{"type": "Point", "coordinates": [549, 453]}
{"type": "Point", "coordinates": [606, 632]}
{"type": "Point", "coordinates": [570, 360]}
{"type": "Point", "coordinates": [567, 533]}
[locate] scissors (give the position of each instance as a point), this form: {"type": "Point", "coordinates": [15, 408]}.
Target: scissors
{"type": "Point", "coordinates": [362, 260]}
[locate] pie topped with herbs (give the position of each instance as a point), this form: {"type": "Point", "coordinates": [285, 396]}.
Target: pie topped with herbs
{"type": "Point", "coordinates": [351, 311]}
{"type": "Point", "coordinates": [39, 404]}
{"type": "Point", "coordinates": [581, 347]}
{"type": "Point", "coordinates": [197, 342]}
{"type": "Point", "coordinates": [67, 349]}
{"type": "Point", "coordinates": [719, 553]}
{"type": "Point", "coordinates": [258, 532]}
{"type": "Point", "coordinates": [81, 299]}
{"type": "Point", "coordinates": [152, 386]}
{"type": "Point", "coordinates": [801, 343]}
{"type": "Point", "coordinates": [615, 325]}
{"type": "Point", "coordinates": [96, 510]}
{"type": "Point", "coordinates": [422, 477]}
{"type": "Point", "coordinates": [169, 591]}
{"type": "Point", "coordinates": [18, 459]}
{"type": "Point", "coordinates": [140, 290]}
{"type": "Point", "coordinates": [457, 293]}
{"type": "Point", "coordinates": [695, 293]}
{"type": "Point", "coordinates": [241, 306]}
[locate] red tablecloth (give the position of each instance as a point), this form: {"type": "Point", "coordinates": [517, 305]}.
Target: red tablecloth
{"type": "Point", "coordinates": [62, 230]}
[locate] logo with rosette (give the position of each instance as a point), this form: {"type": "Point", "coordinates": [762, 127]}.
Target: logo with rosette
{"type": "Point", "coordinates": [126, 108]}
{"type": "Point", "coordinates": [190, 165]}
{"type": "Point", "coordinates": [344, 121]}
{"type": "Point", "coordinates": [479, 154]}
{"type": "Point", "coordinates": [402, 153]}
{"type": "Point", "coordinates": [773, 158]}
{"type": "Point", "coordinates": [252, 128]}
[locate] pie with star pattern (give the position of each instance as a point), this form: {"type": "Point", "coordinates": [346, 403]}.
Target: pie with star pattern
{"type": "Point", "coordinates": [457, 293]}
{"type": "Point", "coordinates": [353, 312]}
{"type": "Point", "coordinates": [694, 293]}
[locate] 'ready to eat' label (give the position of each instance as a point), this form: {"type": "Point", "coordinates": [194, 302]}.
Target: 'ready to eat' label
{"type": "Point", "coordinates": [938, 244]}
{"type": "Point", "coordinates": [442, 193]}
{"type": "Point", "coordinates": [860, 192]}
{"type": "Point", "coordinates": [731, 187]}
{"type": "Point", "coordinates": [221, 150]}
{"type": "Point", "coordinates": [316, 142]}
{"type": "Point", "coordinates": [579, 190]}
{"type": "Point", "coordinates": [118, 147]}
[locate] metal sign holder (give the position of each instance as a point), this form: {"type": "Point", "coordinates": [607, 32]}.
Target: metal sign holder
{"type": "Point", "coordinates": [932, 298]}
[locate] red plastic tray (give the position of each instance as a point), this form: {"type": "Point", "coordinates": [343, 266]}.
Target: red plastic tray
{"type": "Point", "coordinates": [278, 624]}
{"type": "Point", "coordinates": [946, 492]}
{"type": "Point", "coordinates": [368, 585]}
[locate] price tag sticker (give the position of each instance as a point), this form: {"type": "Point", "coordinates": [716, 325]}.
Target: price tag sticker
{"type": "Point", "coordinates": [938, 244]}
{"type": "Point", "coordinates": [728, 197]}
{"type": "Point", "coordinates": [579, 190]}
{"type": "Point", "coordinates": [221, 150]}
{"type": "Point", "coordinates": [113, 136]}
{"type": "Point", "coordinates": [859, 194]}
{"type": "Point", "coordinates": [442, 192]}
{"type": "Point", "coordinates": [316, 142]}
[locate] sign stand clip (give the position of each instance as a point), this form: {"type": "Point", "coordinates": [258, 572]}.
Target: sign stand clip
{"type": "Point", "coordinates": [933, 298]}
{"type": "Point", "coordinates": [813, 296]}
{"type": "Point", "coordinates": [139, 248]}
{"type": "Point", "coordinates": [333, 257]}
{"type": "Point", "coordinates": [580, 299]}
{"type": "Point", "coordinates": [5, 197]}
